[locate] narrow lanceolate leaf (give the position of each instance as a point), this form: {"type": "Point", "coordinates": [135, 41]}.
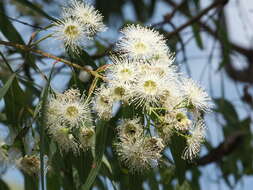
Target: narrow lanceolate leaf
{"type": "Point", "coordinates": [35, 8]}
{"type": "Point", "coordinates": [197, 35]}
{"type": "Point", "coordinates": [6, 86]}
{"type": "Point", "coordinates": [101, 134]}
{"type": "Point", "coordinates": [42, 131]}
{"type": "Point", "coordinates": [177, 147]}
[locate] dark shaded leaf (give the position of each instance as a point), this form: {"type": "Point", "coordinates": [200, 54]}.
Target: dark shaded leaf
{"type": "Point", "coordinates": [6, 86]}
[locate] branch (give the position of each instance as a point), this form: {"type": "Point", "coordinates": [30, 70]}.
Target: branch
{"type": "Point", "coordinates": [45, 54]}
{"type": "Point", "coordinates": [244, 75]}
{"type": "Point", "coordinates": [225, 148]}
{"type": "Point", "coordinates": [197, 17]}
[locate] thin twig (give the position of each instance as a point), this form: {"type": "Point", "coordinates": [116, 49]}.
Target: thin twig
{"type": "Point", "coordinates": [45, 54]}
{"type": "Point", "coordinates": [197, 17]}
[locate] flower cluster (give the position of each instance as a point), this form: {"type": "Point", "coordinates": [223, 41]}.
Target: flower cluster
{"type": "Point", "coordinates": [135, 150]}
{"type": "Point", "coordinates": [80, 22]}
{"type": "Point", "coordinates": [69, 120]}
{"type": "Point", "coordinates": [142, 75]}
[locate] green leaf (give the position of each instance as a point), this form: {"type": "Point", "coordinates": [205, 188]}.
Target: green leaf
{"type": "Point", "coordinates": [101, 135]}
{"type": "Point", "coordinates": [35, 8]}
{"type": "Point", "coordinates": [42, 130]}
{"type": "Point", "coordinates": [6, 86]}
{"type": "Point", "coordinates": [8, 30]}
{"type": "Point", "coordinates": [15, 101]}
{"type": "Point", "coordinates": [177, 147]}
{"type": "Point", "coordinates": [197, 35]}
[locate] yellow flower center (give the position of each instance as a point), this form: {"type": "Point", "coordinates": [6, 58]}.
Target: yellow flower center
{"type": "Point", "coordinates": [103, 100]}
{"type": "Point", "coordinates": [119, 91]}
{"type": "Point", "coordinates": [130, 129]}
{"type": "Point", "coordinates": [150, 86]}
{"type": "Point", "coordinates": [140, 47]}
{"type": "Point", "coordinates": [71, 31]}
{"type": "Point", "coordinates": [72, 111]}
{"type": "Point", "coordinates": [125, 73]}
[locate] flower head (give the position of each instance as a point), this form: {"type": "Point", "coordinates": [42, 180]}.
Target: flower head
{"type": "Point", "coordinates": [148, 90]}
{"type": "Point", "coordinates": [87, 137]}
{"type": "Point", "coordinates": [103, 102]}
{"type": "Point", "coordinates": [68, 109]}
{"type": "Point", "coordinates": [142, 43]}
{"type": "Point", "coordinates": [71, 32]}
{"type": "Point", "coordinates": [90, 18]}
{"type": "Point", "coordinates": [141, 154]}
{"type": "Point", "coordinates": [130, 128]}
{"type": "Point", "coordinates": [122, 70]}
{"type": "Point", "coordinates": [65, 139]}
{"type": "Point", "coordinates": [196, 97]}
{"type": "Point", "coordinates": [194, 141]}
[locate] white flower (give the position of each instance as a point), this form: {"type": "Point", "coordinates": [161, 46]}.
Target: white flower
{"type": "Point", "coordinates": [130, 128]}
{"type": "Point", "coordinates": [122, 70]}
{"type": "Point", "coordinates": [91, 19]}
{"type": "Point", "coordinates": [71, 32]}
{"type": "Point", "coordinates": [68, 109]}
{"type": "Point", "coordinates": [149, 90]}
{"type": "Point", "coordinates": [140, 154]}
{"type": "Point", "coordinates": [142, 43]}
{"type": "Point", "coordinates": [194, 141]}
{"type": "Point", "coordinates": [196, 97]}
{"type": "Point", "coordinates": [103, 102]}
{"type": "Point", "coordinates": [87, 137]}
{"type": "Point", "coordinates": [65, 139]}
{"type": "Point", "coordinates": [119, 91]}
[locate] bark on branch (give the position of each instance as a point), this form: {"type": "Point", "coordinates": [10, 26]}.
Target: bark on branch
{"type": "Point", "coordinates": [225, 148]}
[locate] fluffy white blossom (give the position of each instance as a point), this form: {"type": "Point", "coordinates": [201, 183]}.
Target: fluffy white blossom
{"type": "Point", "coordinates": [103, 102]}
{"type": "Point", "coordinates": [196, 97]}
{"type": "Point", "coordinates": [149, 89]}
{"type": "Point", "coordinates": [68, 109]}
{"type": "Point", "coordinates": [194, 141]}
{"type": "Point", "coordinates": [130, 128]}
{"type": "Point", "coordinates": [140, 154]}
{"type": "Point", "coordinates": [67, 113]}
{"type": "Point", "coordinates": [65, 139]}
{"type": "Point", "coordinates": [122, 70]}
{"type": "Point", "coordinates": [71, 32]}
{"type": "Point", "coordinates": [90, 18]}
{"type": "Point", "coordinates": [140, 42]}
{"type": "Point", "coordinates": [87, 137]}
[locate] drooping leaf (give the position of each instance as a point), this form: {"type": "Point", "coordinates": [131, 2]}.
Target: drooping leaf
{"type": "Point", "coordinates": [197, 35]}
{"type": "Point", "coordinates": [177, 147]}
{"type": "Point", "coordinates": [42, 128]}
{"type": "Point", "coordinates": [6, 86]}
{"type": "Point", "coordinates": [101, 135]}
